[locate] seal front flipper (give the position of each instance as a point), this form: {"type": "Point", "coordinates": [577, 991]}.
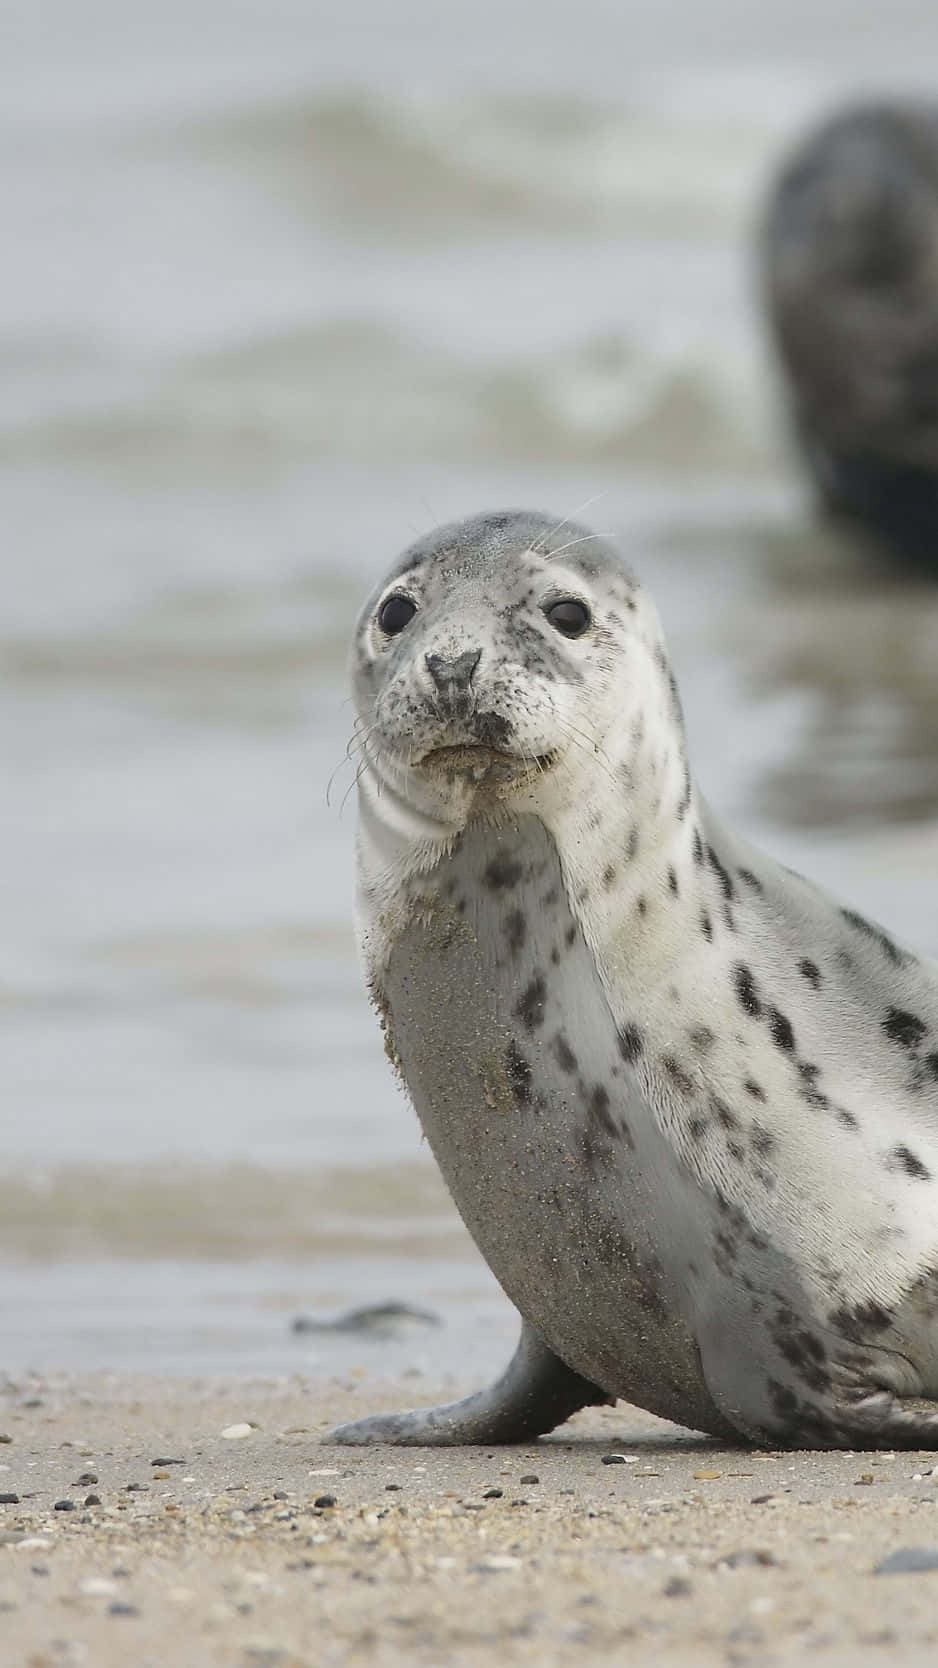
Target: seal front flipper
{"type": "Point", "coordinates": [535, 1393]}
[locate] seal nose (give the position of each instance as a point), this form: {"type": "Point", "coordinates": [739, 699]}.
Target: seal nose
{"type": "Point", "coordinates": [453, 677]}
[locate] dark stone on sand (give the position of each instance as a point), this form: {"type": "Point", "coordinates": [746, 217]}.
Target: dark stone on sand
{"type": "Point", "coordinates": [119, 1609]}
{"type": "Point", "coordinates": [908, 1560]}
{"type": "Point", "coordinates": [324, 1500]}
{"type": "Point", "coordinates": [92, 1500]}
{"type": "Point", "coordinates": [529, 1479]}
{"type": "Point", "coordinates": [9, 1499]}
{"type": "Point", "coordinates": [493, 1494]}
{"type": "Point", "coordinates": [65, 1505]}
{"type": "Point", "coordinates": [164, 1462]}
{"type": "Point", "coordinates": [375, 1320]}
{"type": "Point", "coordinates": [86, 1480]}
{"type": "Point", "coordinates": [677, 1587]}
{"type": "Point", "coordinates": [614, 1459]}
{"type": "Point", "coordinates": [748, 1557]}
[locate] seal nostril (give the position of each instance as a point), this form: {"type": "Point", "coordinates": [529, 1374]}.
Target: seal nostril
{"type": "Point", "coordinates": [453, 674]}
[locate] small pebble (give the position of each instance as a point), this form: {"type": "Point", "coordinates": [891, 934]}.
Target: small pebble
{"type": "Point", "coordinates": [162, 1462]}
{"type": "Point", "coordinates": [493, 1494]}
{"type": "Point", "coordinates": [323, 1500]}
{"type": "Point", "coordinates": [529, 1479]}
{"type": "Point", "coordinates": [120, 1609]}
{"type": "Point", "coordinates": [706, 1476]}
{"type": "Point", "coordinates": [864, 1480]}
{"type": "Point", "coordinates": [231, 1433]}
{"type": "Point", "coordinates": [391, 1488]}
{"type": "Point", "coordinates": [748, 1557]}
{"type": "Point", "coordinates": [92, 1500]}
{"type": "Point", "coordinates": [137, 1488]}
{"type": "Point", "coordinates": [497, 1561]}
{"type": "Point", "coordinates": [9, 1499]}
{"type": "Point", "coordinates": [677, 1587]}
{"type": "Point", "coordinates": [615, 1459]}
{"type": "Point", "coordinates": [279, 1493]}
{"type": "Point", "coordinates": [65, 1505]}
{"type": "Point", "coordinates": [86, 1480]}
{"type": "Point", "coordinates": [4, 1437]}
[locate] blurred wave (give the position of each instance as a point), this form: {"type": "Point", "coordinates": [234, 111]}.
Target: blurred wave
{"type": "Point", "coordinates": [359, 389]}
{"type": "Point", "coordinates": [414, 164]}
{"type": "Point", "coordinates": [226, 1212]}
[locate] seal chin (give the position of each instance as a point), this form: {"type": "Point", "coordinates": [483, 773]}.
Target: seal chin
{"type": "Point", "coordinates": [479, 765]}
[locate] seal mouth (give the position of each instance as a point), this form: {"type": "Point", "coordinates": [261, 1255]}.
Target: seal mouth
{"type": "Point", "coordinates": [476, 759]}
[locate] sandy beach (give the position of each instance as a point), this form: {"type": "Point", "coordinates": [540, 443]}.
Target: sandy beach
{"type": "Point", "coordinates": [188, 1523]}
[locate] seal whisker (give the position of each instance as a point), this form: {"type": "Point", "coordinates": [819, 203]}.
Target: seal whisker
{"type": "Point", "coordinates": [587, 504]}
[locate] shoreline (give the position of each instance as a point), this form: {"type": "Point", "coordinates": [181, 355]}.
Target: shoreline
{"type": "Point", "coordinates": [684, 1551]}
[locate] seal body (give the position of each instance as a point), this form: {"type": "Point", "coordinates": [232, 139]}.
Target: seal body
{"type": "Point", "coordinates": [686, 1105]}
{"type": "Point", "coordinates": [850, 254]}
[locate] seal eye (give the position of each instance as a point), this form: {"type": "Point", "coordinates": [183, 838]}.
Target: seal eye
{"type": "Point", "coordinates": [395, 613]}
{"type": "Point", "coordinates": [568, 616]}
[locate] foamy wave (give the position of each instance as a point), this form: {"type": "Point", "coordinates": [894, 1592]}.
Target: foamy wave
{"type": "Point", "coordinates": [422, 160]}
{"type": "Point", "coordinates": [359, 390]}
{"type": "Point", "coordinates": [232, 1212]}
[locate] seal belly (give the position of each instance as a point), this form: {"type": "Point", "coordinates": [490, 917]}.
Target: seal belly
{"type": "Point", "coordinates": [535, 1116]}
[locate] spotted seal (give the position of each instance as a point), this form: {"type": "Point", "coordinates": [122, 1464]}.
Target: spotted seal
{"type": "Point", "coordinates": [850, 254]}
{"type": "Point", "coordinates": [686, 1104]}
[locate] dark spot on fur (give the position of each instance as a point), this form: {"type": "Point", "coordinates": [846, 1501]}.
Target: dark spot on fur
{"type": "Point", "coordinates": [642, 906]}
{"type": "Point", "coordinates": [847, 1119]}
{"type": "Point", "coordinates": [753, 1088]}
{"type": "Point", "coordinates": [762, 1140]}
{"type": "Point", "coordinates": [502, 873]}
{"type": "Point", "coordinates": [735, 1151]}
{"type": "Point", "coordinates": [930, 1064]}
{"type": "Point", "coordinates": [706, 925]}
{"type": "Point", "coordinates": [745, 986]}
{"type": "Point", "coordinates": [563, 1053]}
{"type": "Point", "coordinates": [632, 846]}
{"type": "Point", "coordinates": [702, 1038]}
{"type": "Point", "coordinates": [698, 849]}
{"type": "Point", "coordinates": [599, 1110]}
{"type": "Point", "coordinates": [904, 1028]}
{"type": "Point", "coordinates": [909, 1162]}
{"type": "Point", "coordinates": [896, 956]}
{"type": "Point", "coordinates": [569, 935]}
{"type": "Point", "coordinates": [698, 1127]}
{"type": "Point", "coordinates": [530, 1009]}
{"type": "Point", "coordinates": [784, 1400]}
{"type": "Point", "coordinates": [677, 1074]}
{"type": "Point", "coordinates": [750, 880]}
{"type": "Point", "coordinates": [782, 1034]}
{"type": "Point", "coordinates": [810, 971]}
{"type": "Point", "coordinates": [609, 875]}
{"type": "Point", "coordinates": [672, 880]}
{"type": "Point", "coordinates": [863, 1317]}
{"type": "Point", "coordinates": [516, 930]}
{"type": "Point", "coordinates": [722, 874]}
{"type": "Point", "coordinates": [629, 1039]}
{"type": "Point", "coordinates": [725, 1118]}
{"type": "Point", "coordinates": [519, 1074]}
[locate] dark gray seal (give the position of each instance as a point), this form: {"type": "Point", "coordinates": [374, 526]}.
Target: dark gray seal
{"type": "Point", "coordinates": [851, 279]}
{"type": "Point", "coordinates": [686, 1104]}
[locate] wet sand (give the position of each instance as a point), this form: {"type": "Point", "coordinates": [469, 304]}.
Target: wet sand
{"type": "Point", "coordinates": [684, 1553]}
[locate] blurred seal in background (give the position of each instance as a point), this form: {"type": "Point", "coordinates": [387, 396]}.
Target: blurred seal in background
{"type": "Point", "coordinates": [850, 253]}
